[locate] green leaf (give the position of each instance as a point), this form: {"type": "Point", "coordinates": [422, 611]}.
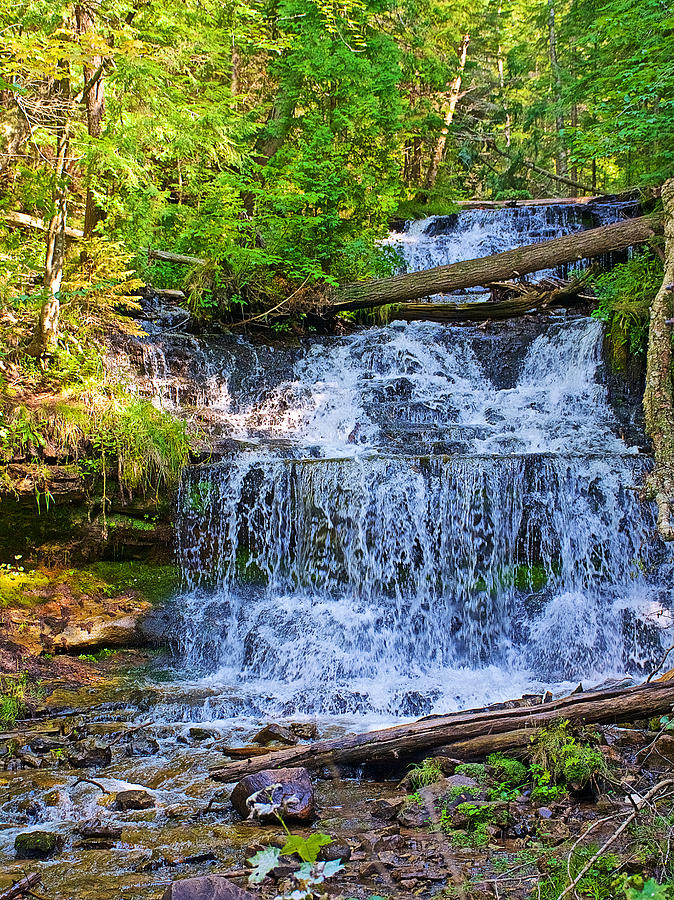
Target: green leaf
{"type": "Point", "coordinates": [306, 848]}
{"type": "Point", "coordinates": [263, 862]}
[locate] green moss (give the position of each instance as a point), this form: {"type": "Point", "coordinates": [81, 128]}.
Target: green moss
{"type": "Point", "coordinates": [17, 588]}
{"type": "Point", "coordinates": [472, 770]}
{"type": "Point", "coordinates": [153, 582]}
{"type": "Point", "coordinates": [510, 772]}
{"type": "Point", "coordinates": [427, 772]}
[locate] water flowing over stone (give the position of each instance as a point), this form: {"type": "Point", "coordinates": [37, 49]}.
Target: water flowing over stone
{"type": "Point", "coordinates": [429, 536]}
{"type": "Point", "coordinates": [412, 518]}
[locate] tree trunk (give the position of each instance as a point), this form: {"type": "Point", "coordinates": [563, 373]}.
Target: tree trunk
{"type": "Point", "coordinates": [462, 730]}
{"type": "Point", "coordinates": [527, 301]}
{"type": "Point", "coordinates": [95, 101]}
{"type": "Point", "coordinates": [659, 395]}
{"type": "Point", "coordinates": [511, 264]}
{"type": "Point", "coordinates": [562, 169]}
{"type": "Point", "coordinates": [46, 331]}
{"type": "Point", "coordinates": [454, 91]}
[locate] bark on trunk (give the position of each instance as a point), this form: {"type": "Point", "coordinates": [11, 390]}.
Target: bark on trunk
{"type": "Point", "coordinates": [526, 302]}
{"type": "Point", "coordinates": [454, 91]}
{"type": "Point", "coordinates": [659, 394]}
{"type": "Point", "coordinates": [95, 102]}
{"type": "Point", "coordinates": [511, 264]}
{"type": "Point", "coordinates": [462, 731]}
{"type": "Point", "coordinates": [562, 168]}
{"type": "Point", "coordinates": [45, 336]}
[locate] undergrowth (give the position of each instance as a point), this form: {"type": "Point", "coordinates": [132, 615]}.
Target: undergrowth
{"type": "Point", "coordinates": [625, 295]}
{"type": "Point", "coordinates": [69, 407]}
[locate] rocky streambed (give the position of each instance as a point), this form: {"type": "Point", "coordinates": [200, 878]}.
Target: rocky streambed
{"type": "Point", "coordinates": [107, 794]}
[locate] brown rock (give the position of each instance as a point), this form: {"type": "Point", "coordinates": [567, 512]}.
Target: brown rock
{"type": "Point", "coordinates": [133, 799]}
{"type": "Point", "coordinates": [88, 754]}
{"type": "Point", "coordinates": [387, 808]}
{"type": "Point", "coordinates": [207, 887]}
{"type": "Point", "coordinates": [271, 733]}
{"type": "Point", "coordinates": [289, 789]}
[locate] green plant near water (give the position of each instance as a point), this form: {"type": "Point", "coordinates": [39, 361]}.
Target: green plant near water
{"type": "Point", "coordinates": [567, 758]}
{"type": "Point", "coordinates": [625, 295]}
{"type": "Point", "coordinates": [13, 695]}
{"type": "Point", "coordinates": [424, 773]}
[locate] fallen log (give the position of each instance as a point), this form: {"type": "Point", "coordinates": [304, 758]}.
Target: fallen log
{"type": "Point", "coordinates": [25, 886]}
{"type": "Point", "coordinates": [531, 298]}
{"type": "Point", "coordinates": [165, 256]}
{"type": "Point", "coordinates": [510, 264]}
{"type": "Point", "coordinates": [454, 730]}
{"type": "Point", "coordinates": [23, 220]}
{"type": "Point", "coordinates": [517, 204]}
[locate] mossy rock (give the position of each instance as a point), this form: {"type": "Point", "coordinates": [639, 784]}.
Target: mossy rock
{"type": "Point", "coordinates": [37, 844]}
{"type": "Point", "coordinates": [18, 588]}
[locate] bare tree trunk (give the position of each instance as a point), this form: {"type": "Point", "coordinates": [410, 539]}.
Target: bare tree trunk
{"type": "Point", "coordinates": [46, 331]}
{"type": "Point", "coordinates": [235, 69]}
{"type": "Point", "coordinates": [454, 91]}
{"type": "Point", "coordinates": [659, 395]}
{"type": "Point", "coordinates": [95, 101]}
{"type": "Point", "coordinates": [502, 266]}
{"type": "Point", "coordinates": [562, 169]}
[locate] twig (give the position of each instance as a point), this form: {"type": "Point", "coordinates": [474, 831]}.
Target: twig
{"type": "Point", "coordinates": [123, 734]}
{"type": "Point", "coordinates": [273, 309]}
{"type": "Point", "coordinates": [660, 664]}
{"type": "Point", "coordinates": [89, 781]}
{"type": "Point", "coordinates": [654, 791]}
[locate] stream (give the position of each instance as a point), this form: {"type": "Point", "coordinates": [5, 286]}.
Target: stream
{"type": "Point", "coordinates": [398, 522]}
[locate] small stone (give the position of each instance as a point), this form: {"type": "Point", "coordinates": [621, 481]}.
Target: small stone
{"type": "Point", "coordinates": [334, 851]}
{"type": "Point", "coordinates": [207, 887]}
{"type": "Point", "coordinates": [142, 746]}
{"type": "Point", "coordinates": [290, 790]}
{"type": "Point", "coordinates": [178, 811]}
{"type": "Point", "coordinates": [30, 760]}
{"type": "Point", "coordinates": [133, 799]}
{"type": "Point", "coordinates": [54, 798]}
{"type": "Point", "coordinates": [201, 734]}
{"type": "Point", "coordinates": [274, 734]}
{"type": "Point", "coordinates": [42, 744]}
{"type": "Point", "coordinates": [95, 830]}
{"type": "Point", "coordinates": [387, 808]}
{"type": "Point", "coordinates": [545, 813]}
{"type": "Point", "coordinates": [89, 754]}
{"type": "Point", "coordinates": [37, 844]}
{"type": "Point", "coordinates": [305, 731]}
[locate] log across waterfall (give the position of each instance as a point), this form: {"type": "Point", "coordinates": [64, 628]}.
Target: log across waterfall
{"type": "Point", "coordinates": [461, 734]}
{"type": "Point", "coordinates": [510, 264]}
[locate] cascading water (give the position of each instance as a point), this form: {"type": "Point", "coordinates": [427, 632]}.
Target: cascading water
{"type": "Point", "coordinates": [414, 518]}
{"type": "Point", "coordinates": [425, 538]}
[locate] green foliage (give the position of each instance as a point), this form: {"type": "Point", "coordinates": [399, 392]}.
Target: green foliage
{"type": "Point", "coordinates": [472, 770]}
{"type": "Point", "coordinates": [306, 848]}
{"type": "Point", "coordinates": [558, 753]}
{"type": "Point", "coordinates": [511, 772]}
{"type": "Point", "coordinates": [13, 694]}
{"type": "Point", "coordinates": [425, 773]}
{"type": "Point", "coordinates": [600, 882]}
{"type": "Point", "coordinates": [625, 295]}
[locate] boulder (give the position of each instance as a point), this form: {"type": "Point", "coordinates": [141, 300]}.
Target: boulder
{"type": "Point", "coordinates": [114, 628]}
{"type": "Point", "coordinates": [206, 887]}
{"type": "Point", "coordinates": [305, 731]}
{"type": "Point", "coordinates": [202, 734]}
{"type": "Point", "coordinates": [141, 745]}
{"type": "Point", "coordinates": [89, 753]}
{"type": "Point", "coordinates": [275, 734]}
{"type": "Point", "coordinates": [133, 799]}
{"type": "Point", "coordinates": [288, 790]}
{"type": "Point", "coordinates": [37, 844]}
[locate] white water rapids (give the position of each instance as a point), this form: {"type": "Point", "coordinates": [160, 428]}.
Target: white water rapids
{"type": "Point", "coordinates": [411, 519]}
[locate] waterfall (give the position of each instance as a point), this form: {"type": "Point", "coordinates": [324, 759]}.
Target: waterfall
{"type": "Point", "coordinates": [428, 535]}
{"type": "Point", "coordinates": [413, 518]}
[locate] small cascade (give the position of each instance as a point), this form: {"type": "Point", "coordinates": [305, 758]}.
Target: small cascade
{"type": "Point", "coordinates": [427, 538]}
{"type": "Point", "coordinates": [408, 519]}
{"type": "Point", "coordinates": [474, 234]}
